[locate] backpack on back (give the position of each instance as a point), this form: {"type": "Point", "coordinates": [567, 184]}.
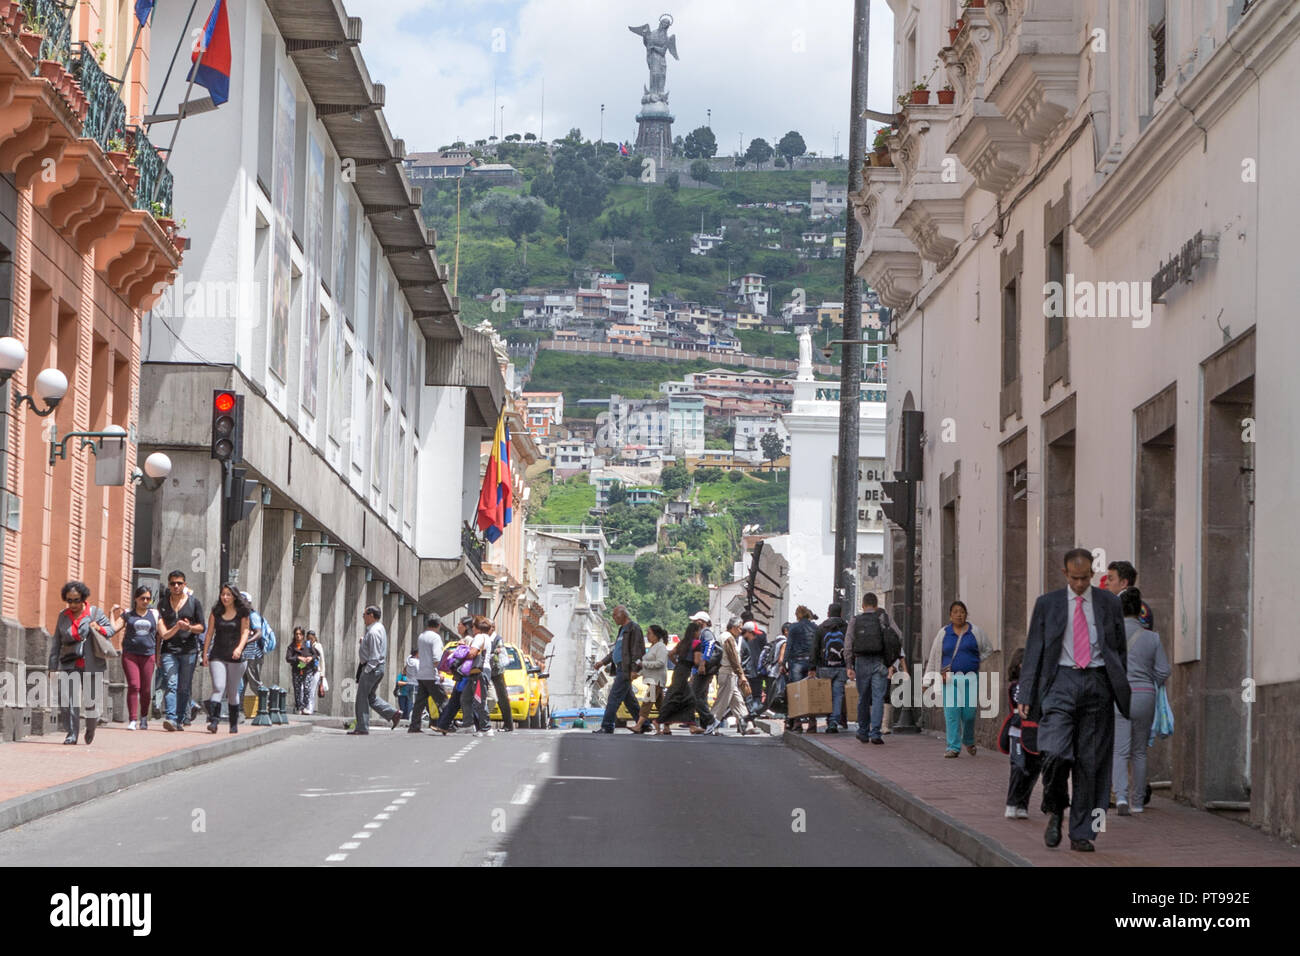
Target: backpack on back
{"type": "Point", "coordinates": [711, 652]}
{"type": "Point", "coordinates": [833, 649]}
{"type": "Point", "coordinates": [869, 634]}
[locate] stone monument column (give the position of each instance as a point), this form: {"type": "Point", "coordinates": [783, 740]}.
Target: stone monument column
{"type": "Point", "coordinates": [655, 121]}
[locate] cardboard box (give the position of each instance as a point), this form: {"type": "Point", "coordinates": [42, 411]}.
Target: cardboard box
{"type": "Point", "coordinates": [851, 701]}
{"type": "Point", "coordinates": [808, 697]}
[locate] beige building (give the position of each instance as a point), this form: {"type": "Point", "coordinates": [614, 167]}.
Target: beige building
{"type": "Point", "coordinates": [1086, 256]}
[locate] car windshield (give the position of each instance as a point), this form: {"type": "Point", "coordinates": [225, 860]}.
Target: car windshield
{"type": "Point", "coordinates": [514, 658]}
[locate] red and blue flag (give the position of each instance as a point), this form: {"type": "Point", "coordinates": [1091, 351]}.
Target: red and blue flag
{"type": "Point", "coordinates": [214, 72]}
{"type": "Point", "coordinates": [623, 150]}
{"type": "Point", "coordinates": [497, 497]}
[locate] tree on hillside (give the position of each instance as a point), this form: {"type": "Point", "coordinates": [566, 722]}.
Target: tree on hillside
{"type": "Point", "coordinates": [617, 495]}
{"type": "Point", "coordinates": [700, 170]}
{"type": "Point", "coordinates": [679, 146]}
{"type": "Point", "coordinates": [773, 447]}
{"type": "Point", "coordinates": [759, 152]}
{"type": "Point", "coordinates": [525, 216]}
{"type": "Point", "coordinates": [674, 478]}
{"type": "Point", "coordinates": [578, 190]}
{"type": "Point", "coordinates": [790, 146]}
{"type": "Point", "coordinates": [496, 206]}
{"type": "Point", "coordinates": [738, 161]}
{"type": "Point", "coordinates": [530, 136]}
{"type": "Point", "coordinates": [700, 143]}
{"type": "Point", "coordinates": [779, 162]}
{"type": "Point", "coordinates": [513, 138]}
{"type": "Point", "coordinates": [673, 182]}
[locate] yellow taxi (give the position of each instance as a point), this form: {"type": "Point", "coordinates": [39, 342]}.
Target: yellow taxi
{"type": "Point", "coordinates": [539, 698]}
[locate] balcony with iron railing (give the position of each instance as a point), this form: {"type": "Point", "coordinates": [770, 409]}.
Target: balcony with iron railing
{"type": "Point", "coordinates": [95, 97]}
{"type": "Point", "coordinates": [110, 193]}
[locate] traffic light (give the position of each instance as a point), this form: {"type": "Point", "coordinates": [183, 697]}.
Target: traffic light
{"type": "Point", "coordinates": [242, 496]}
{"type": "Point", "coordinates": [227, 425]}
{"type": "Point", "coordinates": [900, 508]}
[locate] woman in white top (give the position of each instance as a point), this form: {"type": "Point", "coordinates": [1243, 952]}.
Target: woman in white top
{"type": "Point", "coordinates": [654, 675]}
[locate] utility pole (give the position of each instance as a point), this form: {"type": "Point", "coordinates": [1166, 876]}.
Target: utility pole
{"type": "Point", "coordinates": [844, 586]}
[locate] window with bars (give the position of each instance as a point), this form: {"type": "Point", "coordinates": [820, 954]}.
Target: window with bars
{"type": "Point", "coordinates": [1158, 57]}
{"type": "Point", "coordinates": [1010, 333]}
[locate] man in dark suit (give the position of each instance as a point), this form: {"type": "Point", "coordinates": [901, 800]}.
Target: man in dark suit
{"type": "Point", "coordinates": [1074, 676]}
{"type": "Point", "coordinates": [627, 650]}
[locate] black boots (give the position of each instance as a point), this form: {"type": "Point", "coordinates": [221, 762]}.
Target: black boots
{"type": "Point", "coordinates": [90, 730]}
{"type": "Point", "coordinates": [214, 715]}
{"type": "Point", "coordinates": [234, 718]}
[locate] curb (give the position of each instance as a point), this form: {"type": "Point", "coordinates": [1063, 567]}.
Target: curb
{"type": "Point", "coordinates": [980, 849]}
{"type": "Point", "coordinates": [27, 808]}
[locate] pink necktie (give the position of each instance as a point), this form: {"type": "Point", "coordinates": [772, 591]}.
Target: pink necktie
{"type": "Point", "coordinates": [1082, 649]}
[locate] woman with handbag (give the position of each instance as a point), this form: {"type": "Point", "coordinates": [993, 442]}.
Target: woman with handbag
{"type": "Point", "coordinates": [142, 627]}
{"type": "Point", "coordinates": [1148, 669]}
{"type": "Point", "coordinates": [79, 653]}
{"type": "Point", "coordinates": [654, 674]}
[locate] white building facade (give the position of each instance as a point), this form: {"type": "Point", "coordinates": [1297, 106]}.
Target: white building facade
{"type": "Point", "coordinates": [313, 291]}
{"type": "Point", "coordinates": [1091, 290]}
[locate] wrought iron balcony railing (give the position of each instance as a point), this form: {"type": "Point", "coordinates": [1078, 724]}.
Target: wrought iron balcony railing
{"type": "Point", "coordinates": [53, 20]}
{"type": "Point", "coordinates": [473, 546]}
{"type": "Point", "coordinates": [154, 190]}
{"type": "Point", "coordinates": [106, 113]}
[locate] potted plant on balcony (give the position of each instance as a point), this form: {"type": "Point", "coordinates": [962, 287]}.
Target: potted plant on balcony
{"type": "Point", "coordinates": [880, 147]}
{"type": "Point", "coordinates": [947, 95]}
{"type": "Point", "coordinates": [920, 94]}
{"type": "Point", "coordinates": [117, 154]}
{"type": "Point", "coordinates": [979, 4]}
{"type": "Point", "coordinates": [167, 223]}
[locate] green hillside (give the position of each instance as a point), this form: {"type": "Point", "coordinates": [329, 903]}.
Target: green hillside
{"type": "Point", "coordinates": [582, 210]}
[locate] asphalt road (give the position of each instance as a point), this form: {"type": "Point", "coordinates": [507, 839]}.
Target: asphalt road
{"type": "Point", "coordinates": [548, 797]}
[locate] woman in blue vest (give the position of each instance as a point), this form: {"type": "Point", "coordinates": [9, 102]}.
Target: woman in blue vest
{"type": "Point", "coordinates": [955, 655]}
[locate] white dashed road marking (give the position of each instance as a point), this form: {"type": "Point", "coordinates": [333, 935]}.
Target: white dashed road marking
{"type": "Point", "coordinates": [523, 794]}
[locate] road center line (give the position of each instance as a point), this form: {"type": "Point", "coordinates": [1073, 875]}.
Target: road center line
{"type": "Point", "coordinates": [351, 845]}
{"type": "Point", "coordinates": [523, 794]}
{"type": "Point", "coordinates": [336, 857]}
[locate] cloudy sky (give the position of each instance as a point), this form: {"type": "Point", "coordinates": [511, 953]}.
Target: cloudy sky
{"type": "Point", "coordinates": [762, 66]}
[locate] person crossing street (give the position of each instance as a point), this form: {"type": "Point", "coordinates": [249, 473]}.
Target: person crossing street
{"type": "Point", "coordinates": [372, 653]}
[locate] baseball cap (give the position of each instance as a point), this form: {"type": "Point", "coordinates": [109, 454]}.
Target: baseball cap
{"type": "Point", "coordinates": [702, 616]}
{"type": "Point", "coordinates": [748, 626]}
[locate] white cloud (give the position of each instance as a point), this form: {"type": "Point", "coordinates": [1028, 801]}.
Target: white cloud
{"type": "Point", "coordinates": [762, 66]}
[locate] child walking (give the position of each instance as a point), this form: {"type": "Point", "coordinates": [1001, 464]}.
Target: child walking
{"type": "Point", "coordinates": [1025, 763]}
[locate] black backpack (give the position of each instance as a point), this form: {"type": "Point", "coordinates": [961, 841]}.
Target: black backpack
{"type": "Point", "coordinates": [869, 634]}
{"type": "Point", "coordinates": [711, 652]}
{"type": "Point", "coordinates": [833, 649]}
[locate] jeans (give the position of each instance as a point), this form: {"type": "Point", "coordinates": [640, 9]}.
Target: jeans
{"type": "Point", "coordinates": [873, 682]}
{"type": "Point", "coordinates": [1131, 736]}
{"type": "Point", "coordinates": [178, 678]}
{"type": "Point", "coordinates": [368, 683]}
{"type": "Point", "coordinates": [621, 691]}
{"type": "Point", "coordinates": [838, 676]}
{"type": "Point", "coordinates": [1024, 772]}
{"type": "Point", "coordinates": [960, 696]}
{"type": "Point", "coordinates": [757, 684]}
{"type": "Point", "coordinates": [473, 702]}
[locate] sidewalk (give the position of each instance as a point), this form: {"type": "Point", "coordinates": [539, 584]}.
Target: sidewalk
{"type": "Point", "coordinates": [40, 775]}
{"type": "Point", "coordinates": [960, 802]}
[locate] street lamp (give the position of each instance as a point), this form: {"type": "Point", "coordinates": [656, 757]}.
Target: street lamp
{"type": "Point", "coordinates": [91, 440]}
{"type": "Point", "coordinates": [12, 357]}
{"type": "Point", "coordinates": [156, 469]}
{"type": "Point", "coordinates": [50, 387]}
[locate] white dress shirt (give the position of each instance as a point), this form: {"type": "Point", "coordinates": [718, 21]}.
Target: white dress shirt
{"type": "Point", "coordinates": [1094, 639]}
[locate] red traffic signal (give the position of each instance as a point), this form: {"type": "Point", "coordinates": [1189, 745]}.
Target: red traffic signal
{"type": "Point", "coordinates": [227, 426]}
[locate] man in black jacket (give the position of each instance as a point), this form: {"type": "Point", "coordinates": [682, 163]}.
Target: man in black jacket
{"type": "Point", "coordinates": [626, 651]}
{"type": "Point", "coordinates": [1073, 680]}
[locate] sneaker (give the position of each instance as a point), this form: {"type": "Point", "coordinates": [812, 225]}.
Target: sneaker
{"type": "Point", "coordinates": [133, 725]}
{"type": "Point", "coordinates": [144, 724]}
{"type": "Point", "coordinates": [1022, 813]}
{"type": "Point", "coordinates": [1122, 809]}
{"type": "Point", "coordinates": [1135, 810]}
{"type": "Point", "coordinates": [1010, 813]}
{"type": "Point", "coordinates": [832, 729]}
{"type": "Point", "coordinates": [877, 740]}
{"type": "Point", "coordinates": [490, 732]}
{"type": "Point", "coordinates": [169, 724]}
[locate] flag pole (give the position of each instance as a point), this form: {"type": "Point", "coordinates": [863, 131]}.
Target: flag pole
{"type": "Point", "coordinates": [126, 70]}
{"type": "Point", "coordinates": [176, 52]}
{"type": "Point", "coordinates": [180, 118]}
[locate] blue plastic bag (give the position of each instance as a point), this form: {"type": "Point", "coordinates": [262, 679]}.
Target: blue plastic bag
{"type": "Point", "coordinates": [1163, 724]}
